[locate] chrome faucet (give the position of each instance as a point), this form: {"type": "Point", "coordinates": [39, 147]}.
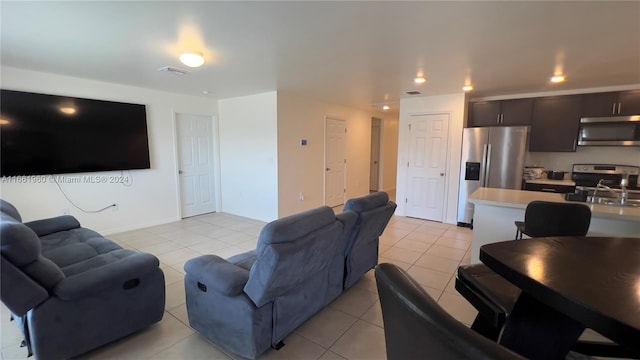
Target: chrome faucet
{"type": "Point", "coordinates": [623, 185]}
{"type": "Point", "coordinates": [602, 186]}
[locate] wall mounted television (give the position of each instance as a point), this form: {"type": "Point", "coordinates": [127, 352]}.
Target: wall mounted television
{"type": "Point", "coordinates": [48, 134]}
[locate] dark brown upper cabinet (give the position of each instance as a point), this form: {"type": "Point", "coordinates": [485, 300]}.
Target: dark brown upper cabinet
{"type": "Point", "coordinates": [622, 103]}
{"type": "Point", "coordinates": [500, 113]}
{"type": "Point", "coordinates": [555, 123]}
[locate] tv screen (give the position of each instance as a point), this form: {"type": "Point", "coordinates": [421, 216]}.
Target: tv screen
{"type": "Point", "coordinates": [48, 134]}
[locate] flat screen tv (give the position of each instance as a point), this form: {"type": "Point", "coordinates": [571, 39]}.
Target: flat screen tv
{"type": "Point", "coordinates": [48, 134]}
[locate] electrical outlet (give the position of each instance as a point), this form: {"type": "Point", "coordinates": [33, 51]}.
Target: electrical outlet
{"type": "Point", "coordinates": [115, 207]}
{"type": "Point", "coordinates": [65, 211]}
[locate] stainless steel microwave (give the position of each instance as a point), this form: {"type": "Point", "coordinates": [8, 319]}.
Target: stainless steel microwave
{"type": "Point", "coordinates": [610, 131]}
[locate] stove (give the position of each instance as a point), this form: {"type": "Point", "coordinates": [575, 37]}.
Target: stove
{"type": "Point", "coordinates": [587, 176]}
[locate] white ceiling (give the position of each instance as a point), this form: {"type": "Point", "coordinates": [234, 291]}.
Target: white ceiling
{"type": "Point", "coordinates": [352, 53]}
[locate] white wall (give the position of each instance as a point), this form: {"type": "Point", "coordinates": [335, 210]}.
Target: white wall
{"type": "Point", "coordinates": [389, 154]}
{"type": "Point", "coordinates": [249, 155]}
{"type": "Point", "coordinates": [153, 197]}
{"type": "Point", "coordinates": [301, 169]}
{"type": "Point", "coordinates": [453, 104]}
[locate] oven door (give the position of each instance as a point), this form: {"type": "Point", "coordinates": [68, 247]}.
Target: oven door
{"type": "Point", "coordinates": [610, 131]}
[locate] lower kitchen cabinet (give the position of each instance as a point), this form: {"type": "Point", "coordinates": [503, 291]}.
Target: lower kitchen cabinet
{"type": "Point", "coordinates": [555, 124]}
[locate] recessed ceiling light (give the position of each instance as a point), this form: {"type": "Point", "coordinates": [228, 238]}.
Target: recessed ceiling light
{"type": "Point", "coordinates": [385, 107]}
{"type": "Point", "coordinates": [558, 78]}
{"type": "Point", "coordinates": [467, 88]}
{"type": "Point", "coordinates": [4, 122]}
{"type": "Point", "coordinates": [192, 59]}
{"type": "Point", "coordinates": [420, 80]}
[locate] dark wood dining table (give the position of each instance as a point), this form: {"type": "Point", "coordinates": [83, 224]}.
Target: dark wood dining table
{"type": "Point", "coordinates": [569, 284]}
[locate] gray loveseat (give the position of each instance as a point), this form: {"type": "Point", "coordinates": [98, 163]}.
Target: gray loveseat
{"type": "Point", "coordinates": [252, 301]}
{"type": "Point", "coordinates": [70, 289]}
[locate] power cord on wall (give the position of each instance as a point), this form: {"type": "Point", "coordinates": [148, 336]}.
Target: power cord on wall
{"type": "Point", "coordinates": [124, 183]}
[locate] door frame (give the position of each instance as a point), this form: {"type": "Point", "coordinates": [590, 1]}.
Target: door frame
{"type": "Point", "coordinates": [324, 158]}
{"type": "Point", "coordinates": [445, 200]}
{"type": "Point", "coordinates": [215, 156]}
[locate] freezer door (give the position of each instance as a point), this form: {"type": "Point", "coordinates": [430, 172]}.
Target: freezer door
{"type": "Point", "coordinates": [472, 169]}
{"type": "Point", "coordinates": [506, 155]}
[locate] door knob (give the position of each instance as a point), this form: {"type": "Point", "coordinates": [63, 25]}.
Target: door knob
{"type": "Point", "coordinates": [328, 169]}
{"type": "Point", "coordinates": [179, 171]}
{"type": "Point", "coordinates": [441, 174]}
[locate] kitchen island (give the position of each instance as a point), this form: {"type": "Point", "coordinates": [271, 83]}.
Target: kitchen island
{"type": "Point", "coordinates": [497, 209]}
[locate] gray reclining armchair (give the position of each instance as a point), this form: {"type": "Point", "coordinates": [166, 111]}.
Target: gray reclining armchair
{"type": "Point", "coordinates": [252, 301]}
{"type": "Point", "coordinates": [71, 290]}
{"type": "Point", "coordinates": [361, 255]}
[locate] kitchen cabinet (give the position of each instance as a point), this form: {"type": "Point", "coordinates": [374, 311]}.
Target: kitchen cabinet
{"type": "Point", "coordinates": [622, 103]}
{"type": "Point", "coordinates": [555, 123]}
{"type": "Point", "coordinates": [501, 113]}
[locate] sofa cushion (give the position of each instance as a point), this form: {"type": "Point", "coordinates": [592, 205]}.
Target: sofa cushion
{"type": "Point", "coordinates": [49, 226]}
{"type": "Point", "coordinates": [295, 226]}
{"type": "Point", "coordinates": [9, 209]}
{"type": "Point", "coordinates": [21, 246]}
{"type": "Point", "coordinates": [367, 202]}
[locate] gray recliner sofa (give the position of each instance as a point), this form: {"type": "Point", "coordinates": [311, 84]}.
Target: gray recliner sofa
{"type": "Point", "coordinates": [252, 301]}
{"type": "Point", "coordinates": [70, 289]}
{"type": "Point", "coordinates": [361, 254]}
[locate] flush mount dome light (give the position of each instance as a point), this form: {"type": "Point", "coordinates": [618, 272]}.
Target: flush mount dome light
{"type": "Point", "coordinates": [192, 59]}
{"type": "Point", "coordinates": [68, 110]}
{"type": "Point", "coordinates": [385, 107]}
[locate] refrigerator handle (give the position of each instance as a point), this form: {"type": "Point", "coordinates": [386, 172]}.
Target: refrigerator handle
{"type": "Point", "coordinates": [483, 166]}
{"type": "Point", "coordinates": [487, 167]}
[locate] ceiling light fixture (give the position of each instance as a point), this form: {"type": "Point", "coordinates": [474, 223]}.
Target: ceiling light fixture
{"type": "Point", "coordinates": [4, 122]}
{"type": "Point", "coordinates": [192, 59]}
{"type": "Point", "coordinates": [420, 80]}
{"type": "Point", "coordinates": [68, 110]}
{"type": "Point", "coordinates": [385, 107]}
{"type": "Point", "coordinates": [467, 88]}
{"type": "Point", "coordinates": [558, 79]}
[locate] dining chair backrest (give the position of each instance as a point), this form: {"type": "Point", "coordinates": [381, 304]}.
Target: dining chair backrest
{"type": "Point", "coordinates": [416, 327]}
{"type": "Point", "coordinates": [544, 218]}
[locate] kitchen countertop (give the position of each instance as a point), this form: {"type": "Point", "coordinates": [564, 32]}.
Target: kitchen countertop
{"type": "Point", "coordinates": [519, 199]}
{"type": "Point", "coordinates": [495, 211]}
{"type": "Point", "coordinates": [552, 182]}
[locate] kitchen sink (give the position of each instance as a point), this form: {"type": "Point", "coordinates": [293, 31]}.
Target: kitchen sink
{"type": "Point", "coordinates": [612, 201]}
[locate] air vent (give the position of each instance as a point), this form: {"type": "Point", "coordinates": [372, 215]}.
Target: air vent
{"type": "Point", "coordinates": [413, 92]}
{"type": "Point", "coordinates": [174, 70]}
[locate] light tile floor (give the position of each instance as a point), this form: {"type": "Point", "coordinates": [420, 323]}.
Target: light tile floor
{"type": "Point", "coordinates": [349, 328]}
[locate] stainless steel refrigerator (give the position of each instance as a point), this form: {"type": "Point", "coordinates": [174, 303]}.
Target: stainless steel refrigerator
{"type": "Point", "coordinates": [491, 157]}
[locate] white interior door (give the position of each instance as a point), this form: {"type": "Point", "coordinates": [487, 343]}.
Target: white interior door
{"type": "Point", "coordinates": [335, 162]}
{"type": "Point", "coordinates": [375, 155]}
{"type": "Point", "coordinates": [196, 164]}
{"type": "Point", "coordinates": [428, 136]}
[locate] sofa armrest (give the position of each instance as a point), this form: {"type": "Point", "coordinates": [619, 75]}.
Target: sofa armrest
{"type": "Point", "coordinates": [218, 274]}
{"type": "Point", "coordinates": [52, 225]}
{"type": "Point", "coordinates": [124, 273]}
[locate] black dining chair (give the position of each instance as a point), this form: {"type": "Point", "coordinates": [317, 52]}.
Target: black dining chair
{"type": "Point", "coordinates": [416, 327]}
{"type": "Point", "coordinates": [492, 295]}
{"type": "Point", "coordinates": [545, 218]}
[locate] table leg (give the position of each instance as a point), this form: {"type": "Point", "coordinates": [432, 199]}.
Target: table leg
{"type": "Point", "coordinates": [537, 331]}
